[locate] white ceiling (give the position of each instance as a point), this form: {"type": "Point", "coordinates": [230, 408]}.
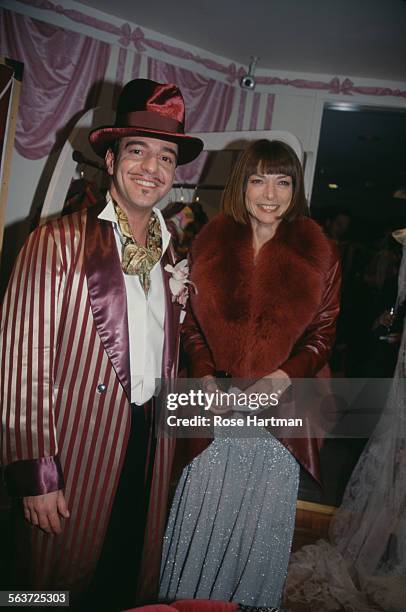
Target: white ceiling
{"type": "Point", "coordinates": [361, 38]}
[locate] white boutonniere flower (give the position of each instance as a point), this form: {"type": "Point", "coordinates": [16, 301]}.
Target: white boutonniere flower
{"type": "Point", "coordinates": [178, 283]}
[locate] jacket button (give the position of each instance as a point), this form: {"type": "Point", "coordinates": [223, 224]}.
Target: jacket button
{"type": "Point", "coordinates": [101, 388]}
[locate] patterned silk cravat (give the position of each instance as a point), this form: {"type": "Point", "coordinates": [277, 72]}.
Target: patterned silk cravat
{"type": "Point", "coordinates": [135, 258]}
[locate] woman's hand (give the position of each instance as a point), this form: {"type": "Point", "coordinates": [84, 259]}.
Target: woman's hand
{"type": "Point", "coordinates": [280, 379]}
{"type": "Point", "coordinates": [275, 382]}
{"type": "Point", "coordinates": [209, 385]}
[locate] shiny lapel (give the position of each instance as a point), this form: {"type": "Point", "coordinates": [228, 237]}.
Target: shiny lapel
{"type": "Point", "coordinates": [172, 321]}
{"type": "Point", "coordinates": [107, 293]}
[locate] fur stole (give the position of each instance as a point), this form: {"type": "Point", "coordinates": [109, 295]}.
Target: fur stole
{"type": "Point", "coordinates": [253, 314]}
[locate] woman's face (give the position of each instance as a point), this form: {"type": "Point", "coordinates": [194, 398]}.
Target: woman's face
{"type": "Point", "coordinates": [268, 197]}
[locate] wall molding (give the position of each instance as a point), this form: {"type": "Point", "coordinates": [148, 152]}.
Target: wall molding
{"type": "Point", "coordinates": [129, 35]}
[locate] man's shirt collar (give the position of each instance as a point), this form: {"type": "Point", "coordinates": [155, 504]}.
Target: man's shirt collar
{"type": "Point", "coordinates": [108, 214]}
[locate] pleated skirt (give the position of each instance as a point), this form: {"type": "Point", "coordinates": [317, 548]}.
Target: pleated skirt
{"type": "Point", "coordinates": [231, 524]}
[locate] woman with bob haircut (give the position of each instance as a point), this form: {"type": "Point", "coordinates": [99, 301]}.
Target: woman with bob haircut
{"type": "Point", "coordinates": [262, 156]}
{"type": "Point", "coordinates": [265, 308]}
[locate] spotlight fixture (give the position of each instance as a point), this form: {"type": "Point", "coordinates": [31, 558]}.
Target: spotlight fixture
{"type": "Point", "coordinates": [248, 80]}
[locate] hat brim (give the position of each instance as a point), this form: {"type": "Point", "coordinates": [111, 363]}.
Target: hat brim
{"type": "Point", "coordinates": [189, 147]}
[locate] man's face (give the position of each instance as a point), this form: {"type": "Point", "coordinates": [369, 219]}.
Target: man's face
{"type": "Point", "coordinates": [339, 226]}
{"type": "Point", "coordinates": [142, 172]}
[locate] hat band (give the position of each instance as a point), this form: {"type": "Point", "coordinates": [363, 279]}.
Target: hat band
{"type": "Point", "coordinates": [150, 121]}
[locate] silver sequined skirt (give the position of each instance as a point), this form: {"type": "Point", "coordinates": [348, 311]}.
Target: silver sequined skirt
{"type": "Point", "coordinates": [231, 523]}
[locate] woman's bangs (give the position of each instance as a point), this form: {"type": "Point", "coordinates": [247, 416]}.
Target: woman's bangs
{"type": "Point", "coordinates": [275, 165]}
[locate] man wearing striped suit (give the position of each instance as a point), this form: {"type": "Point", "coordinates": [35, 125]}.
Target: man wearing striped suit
{"type": "Point", "coordinates": [88, 324]}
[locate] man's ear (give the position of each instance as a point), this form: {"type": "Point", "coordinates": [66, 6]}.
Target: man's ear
{"type": "Point", "coordinates": [109, 160]}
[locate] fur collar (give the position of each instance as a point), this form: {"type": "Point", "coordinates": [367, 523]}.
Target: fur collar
{"type": "Point", "coordinates": [252, 314]}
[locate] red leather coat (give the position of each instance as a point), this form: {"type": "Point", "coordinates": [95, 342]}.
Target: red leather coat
{"type": "Point", "coordinates": [250, 318]}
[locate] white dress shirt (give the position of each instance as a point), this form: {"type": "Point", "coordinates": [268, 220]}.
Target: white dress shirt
{"type": "Point", "coordinates": [146, 317]}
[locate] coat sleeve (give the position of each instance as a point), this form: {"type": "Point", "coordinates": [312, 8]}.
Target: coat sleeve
{"type": "Point", "coordinates": [314, 348]}
{"type": "Point", "coordinates": [200, 359]}
{"type": "Point", "coordinates": [28, 335]}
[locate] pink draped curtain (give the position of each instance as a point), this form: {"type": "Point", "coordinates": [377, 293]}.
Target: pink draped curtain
{"type": "Point", "coordinates": [208, 106]}
{"type": "Point", "coordinates": [63, 73]}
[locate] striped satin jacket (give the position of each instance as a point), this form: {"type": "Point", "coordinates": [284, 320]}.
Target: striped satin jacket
{"type": "Point", "coordinates": [65, 391]}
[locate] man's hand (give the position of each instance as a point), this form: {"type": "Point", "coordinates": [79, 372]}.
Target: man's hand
{"type": "Point", "coordinates": [386, 319]}
{"type": "Point", "coordinates": [44, 511]}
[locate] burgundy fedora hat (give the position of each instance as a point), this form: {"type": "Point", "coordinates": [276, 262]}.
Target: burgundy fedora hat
{"type": "Point", "coordinates": [156, 110]}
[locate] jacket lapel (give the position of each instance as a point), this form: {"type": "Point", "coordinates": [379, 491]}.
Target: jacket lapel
{"type": "Point", "coordinates": [107, 293]}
